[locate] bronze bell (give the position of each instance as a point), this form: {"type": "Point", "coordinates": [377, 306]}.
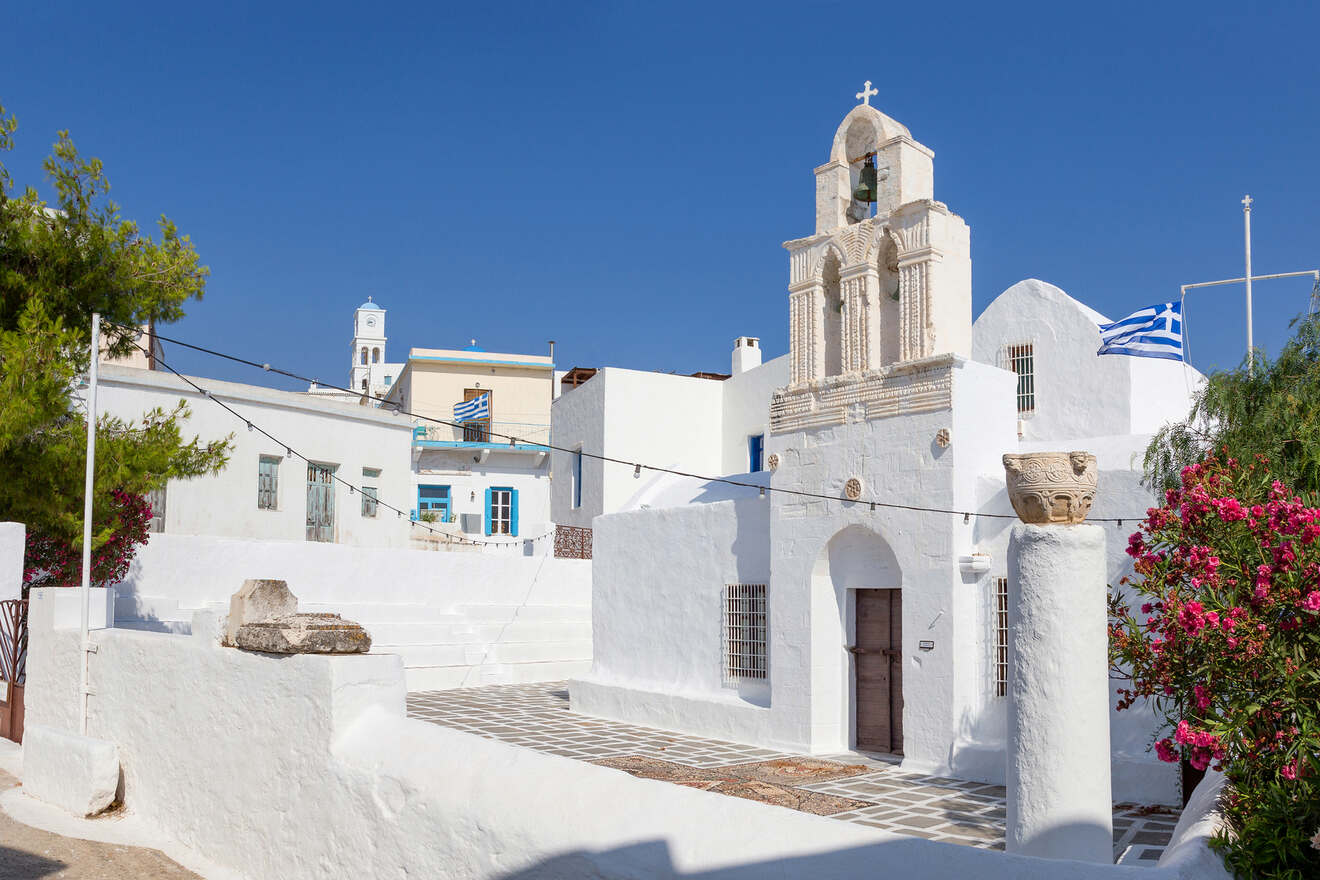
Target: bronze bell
{"type": "Point", "coordinates": [868, 182]}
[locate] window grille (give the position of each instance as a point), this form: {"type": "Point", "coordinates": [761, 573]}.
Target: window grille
{"type": "Point", "coordinates": [268, 477]}
{"type": "Point", "coordinates": [1021, 360]}
{"type": "Point", "coordinates": [745, 633]}
{"type": "Point", "coordinates": [369, 492]}
{"type": "Point", "coordinates": [1001, 637]}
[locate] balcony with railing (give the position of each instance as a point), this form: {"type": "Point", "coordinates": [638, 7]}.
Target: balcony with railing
{"type": "Point", "coordinates": [526, 436]}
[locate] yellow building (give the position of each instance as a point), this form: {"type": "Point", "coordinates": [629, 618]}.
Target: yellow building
{"type": "Point", "coordinates": [484, 477]}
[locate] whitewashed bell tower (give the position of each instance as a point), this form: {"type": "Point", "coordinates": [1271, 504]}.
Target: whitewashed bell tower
{"type": "Point", "coordinates": [881, 282]}
{"type": "Point", "coordinates": [368, 345]}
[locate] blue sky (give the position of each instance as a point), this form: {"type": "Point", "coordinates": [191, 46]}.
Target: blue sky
{"type": "Point", "coordinates": [620, 177]}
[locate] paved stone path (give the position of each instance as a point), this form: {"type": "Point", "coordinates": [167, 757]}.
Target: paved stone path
{"type": "Point", "coordinates": [851, 787]}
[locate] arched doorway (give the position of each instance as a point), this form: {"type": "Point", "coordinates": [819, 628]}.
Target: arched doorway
{"type": "Point", "coordinates": [857, 665]}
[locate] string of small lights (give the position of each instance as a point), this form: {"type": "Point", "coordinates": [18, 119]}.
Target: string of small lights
{"type": "Point", "coordinates": [352, 488]}
{"type": "Point", "coordinates": [638, 467]}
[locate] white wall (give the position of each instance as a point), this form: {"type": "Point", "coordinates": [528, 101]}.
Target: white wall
{"type": "Point", "coordinates": [469, 479]}
{"type": "Point", "coordinates": [347, 436]}
{"type": "Point", "coordinates": [303, 767]}
{"type": "Point", "coordinates": [746, 410]}
{"type": "Point", "coordinates": [658, 580]}
{"type": "Point", "coordinates": [1079, 394]}
{"type": "Point", "coordinates": [195, 572]}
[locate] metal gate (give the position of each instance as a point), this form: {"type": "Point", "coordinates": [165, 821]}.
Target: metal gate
{"type": "Point", "coordinates": [13, 666]}
{"type": "Point", "coordinates": [320, 502]}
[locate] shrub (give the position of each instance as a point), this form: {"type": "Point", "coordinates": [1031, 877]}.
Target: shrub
{"type": "Point", "coordinates": [1226, 645]}
{"type": "Point", "coordinates": [52, 561]}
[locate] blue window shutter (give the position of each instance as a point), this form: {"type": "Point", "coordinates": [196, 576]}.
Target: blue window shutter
{"type": "Point", "coordinates": [489, 513]}
{"type": "Point", "coordinates": [513, 512]}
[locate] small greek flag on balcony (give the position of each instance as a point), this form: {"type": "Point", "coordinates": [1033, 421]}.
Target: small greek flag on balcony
{"type": "Point", "coordinates": [1153, 332]}
{"type": "Point", "coordinates": [471, 410]}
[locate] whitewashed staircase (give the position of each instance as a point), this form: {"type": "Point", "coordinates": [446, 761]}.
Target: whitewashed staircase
{"type": "Point", "coordinates": [468, 646]}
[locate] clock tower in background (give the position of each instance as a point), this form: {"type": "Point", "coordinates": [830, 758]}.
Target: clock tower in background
{"type": "Point", "coordinates": [368, 346]}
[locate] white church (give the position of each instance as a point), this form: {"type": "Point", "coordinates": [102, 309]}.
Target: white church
{"type": "Point", "coordinates": [822, 625]}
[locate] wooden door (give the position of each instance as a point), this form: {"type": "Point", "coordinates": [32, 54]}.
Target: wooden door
{"type": "Point", "coordinates": [320, 502]}
{"type": "Point", "coordinates": [878, 665]}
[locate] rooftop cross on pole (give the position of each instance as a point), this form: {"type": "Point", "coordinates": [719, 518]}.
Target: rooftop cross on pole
{"type": "Point", "coordinates": [865, 94]}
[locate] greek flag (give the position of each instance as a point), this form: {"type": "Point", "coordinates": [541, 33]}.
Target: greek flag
{"type": "Point", "coordinates": [471, 410]}
{"type": "Point", "coordinates": [1153, 332]}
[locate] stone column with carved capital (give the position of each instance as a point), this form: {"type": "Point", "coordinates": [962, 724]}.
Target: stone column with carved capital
{"type": "Point", "coordinates": [1059, 792]}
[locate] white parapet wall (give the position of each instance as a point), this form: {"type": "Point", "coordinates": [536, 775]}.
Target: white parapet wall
{"type": "Point", "coordinates": [457, 619]}
{"type": "Point", "coordinates": [305, 766]}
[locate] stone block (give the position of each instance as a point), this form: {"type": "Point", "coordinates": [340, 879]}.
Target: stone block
{"type": "Point", "coordinates": [78, 774]}
{"type": "Point", "coordinates": [303, 634]}
{"type": "Point", "coordinates": [259, 599]}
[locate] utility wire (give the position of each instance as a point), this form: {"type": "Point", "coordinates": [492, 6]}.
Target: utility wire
{"type": "Point", "coordinates": [253, 426]}
{"type": "Point", "coordinates": [637, 466]}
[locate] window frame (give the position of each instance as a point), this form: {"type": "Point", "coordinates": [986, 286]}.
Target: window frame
{"type": "Point", "coordinates": [745, 634]}
{"type": "Point", "coordinates": [370, 501]}
{"type": "Point", "coordinates": [443, 503]}
{"type": "Point", "coordinates": [755, 453]}
{"type": "Point", "coordinates": [274, 492]}
{"type": "Point", "coordinates": [489, 514]}
{"type": "Point", "coordinates": [1020, 359]}
{"type": "Point", "coordinates": [999, 661]}
{"type": "Point", "coordinates": [576, 479]}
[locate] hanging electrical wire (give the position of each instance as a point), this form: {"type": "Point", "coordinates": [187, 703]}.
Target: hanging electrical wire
{"type": "Point", "coordinates": [781, 490]}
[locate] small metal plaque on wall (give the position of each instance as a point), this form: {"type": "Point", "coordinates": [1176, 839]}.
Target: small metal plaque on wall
{"type": "Point", "coordinates": [926, 646]}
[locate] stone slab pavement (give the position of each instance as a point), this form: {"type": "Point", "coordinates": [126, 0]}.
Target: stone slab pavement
{"type": "Point", "coordinates": [865, 789]}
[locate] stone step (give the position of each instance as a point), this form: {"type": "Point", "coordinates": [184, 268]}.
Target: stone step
{"type": "Point", "coordinates": [469, 655]}
{"type": "Point", "coordinates": [477, 633]}
{"type": "Point", "coordinates": [436, 678]}
{"type": "Point", "coordinates": [525, 612]}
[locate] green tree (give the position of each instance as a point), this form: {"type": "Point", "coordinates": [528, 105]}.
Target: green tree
{"type": "Point", "coordinates": [59, 263]}
{"type": "Point", "coordinates": [1271, 409]}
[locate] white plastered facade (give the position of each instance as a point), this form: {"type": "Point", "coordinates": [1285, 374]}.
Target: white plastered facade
{"type": "Point", "coordinates": [892, 386]}
{"type": "Point", "coordinates": [344, 437]}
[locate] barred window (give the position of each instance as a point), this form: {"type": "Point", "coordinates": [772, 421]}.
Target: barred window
{"type": "Point", "coordinates": [268, 475]}
{"type": "Point", "coordinates": [745, 633]}
{"type": "Point", "coordinates": [1001, 637]}
{"type": "Point", "coordinates": [369, 492]}
{"type": "Point", "coordinates": [1021, 360]}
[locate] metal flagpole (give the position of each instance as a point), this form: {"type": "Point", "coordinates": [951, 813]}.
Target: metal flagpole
{"type": "Point", "coordinates": [87, 517]}
{"type": "Point", "coordinates": [1246, 223]}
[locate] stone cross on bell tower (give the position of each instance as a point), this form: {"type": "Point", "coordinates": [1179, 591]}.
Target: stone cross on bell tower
{"type": "Point", "coordinates": [865, 94]}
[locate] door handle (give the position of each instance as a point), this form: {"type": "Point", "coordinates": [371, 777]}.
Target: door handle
{"type": "Point", "coordinates": [853, 649]}
{"type": "Point", "coordinates": [891, 653]}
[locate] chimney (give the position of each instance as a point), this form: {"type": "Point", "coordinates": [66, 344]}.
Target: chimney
{"type": "Point", "coordinates": [746, 354]}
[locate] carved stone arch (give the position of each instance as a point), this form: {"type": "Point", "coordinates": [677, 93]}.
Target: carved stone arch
{"type": "Point", "coordinates": [831, 246]}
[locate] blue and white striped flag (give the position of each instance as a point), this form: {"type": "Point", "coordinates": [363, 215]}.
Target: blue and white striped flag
{"type": "Point", "coordinates": [471, 410]}
{"type": "Point", "coordinates": [1153, 332]}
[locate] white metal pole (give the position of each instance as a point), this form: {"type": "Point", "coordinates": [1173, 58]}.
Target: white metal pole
{"type": "Point", "coordinates": [1246, 223]}
{"type": "Point", "coordinates": [89, 485]}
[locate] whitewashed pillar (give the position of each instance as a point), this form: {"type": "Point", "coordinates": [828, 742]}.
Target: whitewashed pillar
{"type": "Point", "coordinates": [11, 560]}
{"type": "Point", "coordinates": [1059, 793]}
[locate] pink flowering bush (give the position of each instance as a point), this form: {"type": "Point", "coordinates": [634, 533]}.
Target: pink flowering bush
{"type": "Point", "coordinates": [54, 562]}
{"type": "Point", "coordinates": [1226, 646]}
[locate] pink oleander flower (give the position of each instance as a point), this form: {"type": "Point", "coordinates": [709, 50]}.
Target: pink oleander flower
{"type": "Point", "coordinates": [1165, 751]}
{"type": "Point", "coordinates": [1312, 601]}
{"type": "Point", "coordinates": [1202, 697]}
{"type": "Point", "coordinates": [1288, 771]}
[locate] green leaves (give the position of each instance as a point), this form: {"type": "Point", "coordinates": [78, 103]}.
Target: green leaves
{"type": "Point", "coordinates": [1271, 410]}
{"type": "Point", "coordinates": [59, 264]}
